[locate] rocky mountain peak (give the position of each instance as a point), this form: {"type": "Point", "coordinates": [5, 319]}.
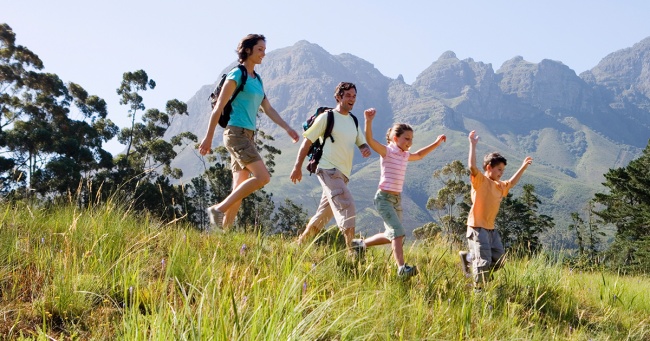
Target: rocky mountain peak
{"type": "Point", "coordinates": [447, 55]}
{"type": "Point", "coordinates": [625, 72]}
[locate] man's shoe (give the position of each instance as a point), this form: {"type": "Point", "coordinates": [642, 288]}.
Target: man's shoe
{"type": "Point", "coordinates": [407, 271]}
{"type": "Point", "coordinates": [464, 264]}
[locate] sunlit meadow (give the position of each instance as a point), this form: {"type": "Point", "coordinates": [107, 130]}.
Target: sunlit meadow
{"type": "Point", "coordinates": [107, 273]}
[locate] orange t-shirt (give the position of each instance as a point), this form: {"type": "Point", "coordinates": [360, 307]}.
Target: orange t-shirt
{"type": "Point", "coordinates": [486, 199]}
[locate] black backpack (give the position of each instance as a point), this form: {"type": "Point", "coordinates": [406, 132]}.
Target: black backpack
{"type": "Point", "coordinates": [316, 150]}
{"type": "Point", "coordinates": [225, 115]}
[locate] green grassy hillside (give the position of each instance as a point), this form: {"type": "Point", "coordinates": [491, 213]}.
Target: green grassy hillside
{"type": "Point", "coordinates": [107, 274]}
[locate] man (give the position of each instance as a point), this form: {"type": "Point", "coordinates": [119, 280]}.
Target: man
{"type": "Point", "coordinates": [335, 166]}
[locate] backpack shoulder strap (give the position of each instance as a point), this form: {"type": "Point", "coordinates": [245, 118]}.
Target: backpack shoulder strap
{"type": "Point", "coordinates": [260, 79]}
{"type": "Point", "coordinates": [329, 126]}
{"type": "Point", "coordinates": [244, 76]}
{"type": "Point", "coordinates": [257, 75]}
{"type": "Point", "coordinates": [356, 122]}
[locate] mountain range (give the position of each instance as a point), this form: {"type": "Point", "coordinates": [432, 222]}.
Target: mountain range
{"type": "Point", "coordinates": [576, 127]}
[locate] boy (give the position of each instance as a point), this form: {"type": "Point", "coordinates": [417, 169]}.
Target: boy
{"type": "Point", "coordinates": [485, 247]}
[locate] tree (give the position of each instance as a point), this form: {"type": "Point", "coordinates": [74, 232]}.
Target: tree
{"type": "Point", "coordinates": [588, 233]}
{"type": "Point", "coordinates": [627, 207]}
{"type": "Point", "coordinates": [152, 154]}
{"type": "Point", "coordinates": [451, 203]}
{"type": "Point", "coordinates": [519, 222]}
{"type": "Point", "coordinates": [49, 152]}
{"type": "Point", "coordinates": [428, 231]}
{"type": "Point", "coordinates": [142, 177]}
{"type": "Point", "coordinates": [289, 219]}
{"type": "Point", "coordinates": [198, 196]}
{"type": "Point", "coordinates": [578, 225]}
{"type": "Point", "coordinates": [132, 82]}
{"type": "Point", "coordinates": [255, 212]}
{"type": "Point", "coordinates": [594, 233]}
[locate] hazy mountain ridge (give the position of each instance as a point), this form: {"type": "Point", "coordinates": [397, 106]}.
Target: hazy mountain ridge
{"type": "Point", "coordinates": [576, 127]}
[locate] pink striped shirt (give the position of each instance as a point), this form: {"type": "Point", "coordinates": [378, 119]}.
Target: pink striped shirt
{"type": "Point", "coordinates": [393, 168]}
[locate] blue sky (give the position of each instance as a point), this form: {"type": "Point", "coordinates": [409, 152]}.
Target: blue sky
{"type": "Point", "coordinates": [184, 45]}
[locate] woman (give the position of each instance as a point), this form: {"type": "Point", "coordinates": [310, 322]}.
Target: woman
{"type": "Point", "coordinates": [248, 169]}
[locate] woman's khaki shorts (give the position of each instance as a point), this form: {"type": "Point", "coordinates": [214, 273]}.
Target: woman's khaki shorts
{"type": "Point", "coordinates": [240, 143]}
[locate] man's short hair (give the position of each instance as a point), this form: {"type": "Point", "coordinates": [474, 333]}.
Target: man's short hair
{"type": "Point", "coordinates": [343, 87]}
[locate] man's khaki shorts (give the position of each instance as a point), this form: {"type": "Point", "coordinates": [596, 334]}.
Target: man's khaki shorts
{"type": "Point", "coordinates": [336, 200]}
{"type": "Point", "coordinates": [240, 143]}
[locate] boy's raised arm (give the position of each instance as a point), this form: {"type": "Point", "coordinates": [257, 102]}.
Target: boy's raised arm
{"type": "Point", "coordinates": [471, 159]}
{"type": "Point", "coordinates": [515, 178]}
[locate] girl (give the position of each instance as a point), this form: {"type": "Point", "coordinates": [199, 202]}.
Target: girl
{"type": "Point", "coordinates": [248, 169]}
{"type": "Point", "coordinates": [394, 157]}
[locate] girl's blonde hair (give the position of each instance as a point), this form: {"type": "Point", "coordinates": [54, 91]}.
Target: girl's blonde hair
{"type": "Point", "coordinates": [397, 130]}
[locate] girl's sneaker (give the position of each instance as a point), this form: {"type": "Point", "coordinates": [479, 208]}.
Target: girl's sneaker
{"type": "Point", "coordinates": [359, 247]}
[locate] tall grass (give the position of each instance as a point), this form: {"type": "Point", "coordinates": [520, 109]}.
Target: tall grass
{"type": "Point", "coordinates": [105, 273]}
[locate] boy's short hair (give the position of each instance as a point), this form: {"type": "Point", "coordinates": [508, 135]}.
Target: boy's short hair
{"type": "Point", "coordinates": [493, 159]}
{"type": "Point", "coordinates": [343, 87]}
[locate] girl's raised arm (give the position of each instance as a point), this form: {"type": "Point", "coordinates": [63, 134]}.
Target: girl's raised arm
{"type": "Point", "coordinates": [379, 148]}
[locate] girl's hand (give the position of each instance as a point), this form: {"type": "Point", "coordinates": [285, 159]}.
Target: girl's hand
{"type": "Point", "coordinates": [441, 138]}
{"type": "Point", "coordinates": [473, 138]}
{"type": "Point", "coordinates": [370, 113]}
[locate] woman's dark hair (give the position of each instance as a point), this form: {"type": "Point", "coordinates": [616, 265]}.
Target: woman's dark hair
{"type": "Point", "coordinates": [245, 46]}
{"type": "Point", "coordinates": [397, 129]}
{"type": "Point", "coordinates": [343, 87]}
{"type": "Point", "coordinates": [493, 159]}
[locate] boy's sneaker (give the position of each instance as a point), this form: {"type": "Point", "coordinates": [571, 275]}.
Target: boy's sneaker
{"type": "Point", "coordinates": [216, 217]}
{"type": "Point", "coordinates": [464, 264]}
{"type": "Point", "coordinates": [407, 271]}
{"type": "Point", "coordinates": [359, 247]}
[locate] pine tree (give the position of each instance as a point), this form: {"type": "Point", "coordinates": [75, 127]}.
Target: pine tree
{"type": "Point", "coordinates": [627, 207]}
{"type": "Point", "coordinates": [450, 203]}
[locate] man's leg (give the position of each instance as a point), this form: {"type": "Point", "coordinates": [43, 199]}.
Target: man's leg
{"type": "Point", "coordinates": [335, 186]}
{"type": "Point", "coordinates": [348, 234]}
{"type": "Point", "coordinates": [317, 222]}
